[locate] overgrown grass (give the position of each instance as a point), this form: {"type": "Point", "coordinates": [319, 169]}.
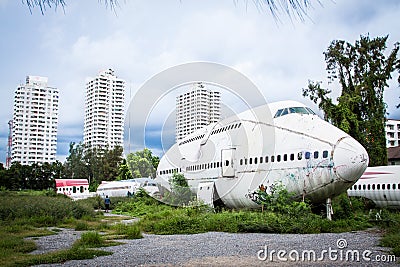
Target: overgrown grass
{"type": "Point", "coordinates": [14, 248]}
{"type": "Point", "coordinates": [75, 253]}
{"type": "Point", "coordinates": [391, 224]}
{"type": "Point", "coordinates": [24, 214]}
{"type": "Point", "coordinates": [41, 210]}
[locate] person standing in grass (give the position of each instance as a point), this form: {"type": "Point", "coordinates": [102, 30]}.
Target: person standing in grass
{"type": "Point", "coordinates": [107, 203]}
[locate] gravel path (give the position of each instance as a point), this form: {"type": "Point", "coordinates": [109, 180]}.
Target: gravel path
{"type": "Point", "coordinates": [227, 249]}
{"type": "Point", "coordinates": [62, 240]}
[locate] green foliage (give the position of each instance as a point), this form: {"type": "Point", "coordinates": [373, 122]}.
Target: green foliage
{"type": "Point", "coordinates": [81, 226]}
{"type": "Point", "coordinates": [362, 71]}
{"type": "Point", "coordinates": [95, 164]}
{"type": "Point", "coordinates": [278, 199]}
{"type": "Point", "coordinates": [41, 210]}
{"type": "Point", "coordinates": [142, 163]}
{"type": "Point", "coordinates": [180, 193]}
{"type": "Point", "coordinates": [127, 231]}
{"type": "Point", "coordinates": [390, 221]}
{"type": "Point", "coordinates": [287, 216]}
{"type": "Point", "coordinates": [90, 239]}
{"type": "Point", "coordinates": [33, 177]}
{"type": "Point", "coordinates": [123, 172]}
{"type": "Point", "coordinates": [342, 207]}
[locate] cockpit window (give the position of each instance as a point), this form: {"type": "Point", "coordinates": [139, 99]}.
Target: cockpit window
{"type": "Point", "coordinates": [299, 110]}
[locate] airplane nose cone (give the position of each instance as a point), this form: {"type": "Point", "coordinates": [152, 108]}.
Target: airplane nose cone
{"type": "Point", "coordinates": [350, 159]}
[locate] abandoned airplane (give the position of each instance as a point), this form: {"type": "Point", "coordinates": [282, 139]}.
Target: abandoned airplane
{"type": "Point", "coordinates": [282, 142]}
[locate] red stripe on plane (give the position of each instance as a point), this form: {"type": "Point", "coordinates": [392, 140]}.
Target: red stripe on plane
{"type": "Point", "coordinates": [367, 175]}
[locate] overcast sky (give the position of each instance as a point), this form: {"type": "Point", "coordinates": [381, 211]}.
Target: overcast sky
{"type": "Point", "coordinates": [143, 38]}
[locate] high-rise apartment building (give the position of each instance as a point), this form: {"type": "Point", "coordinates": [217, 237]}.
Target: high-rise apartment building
{"type": "Point", "coordinates": [104, 111]}
{"type": "Point", "coordinates": [392, 130]}
{"type": "Point", "coordinates": [35, 122]}
{"type": "Point", "coordinates": [195, 109]}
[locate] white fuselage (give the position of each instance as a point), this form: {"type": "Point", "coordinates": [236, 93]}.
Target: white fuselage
{"type": "Point", "coordinates": [125, 188]}
{"type": "Point", "coordinates": [253, 150]}
{"type": "Point", "coordinates": [380, 184]}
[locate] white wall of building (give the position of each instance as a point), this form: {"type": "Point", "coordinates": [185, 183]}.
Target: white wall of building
{"type": "Point", "coordinates": [35, 122]}
{"type": "Point", "coordinates": [195, 109]}
{"type": "Point", "coordinates": [392, 130]}
{"type": "Point", "coordinates": [104, 111]}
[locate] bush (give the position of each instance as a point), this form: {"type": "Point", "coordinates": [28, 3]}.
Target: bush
{"type": "Point", "coordinates": [128, 231]}
{"type": "Point", "coordinates": [41, 210]}
{"type": "Point", "coordinates": [81, 226]}
{"type": "Point", "coordinates": [90, 239]}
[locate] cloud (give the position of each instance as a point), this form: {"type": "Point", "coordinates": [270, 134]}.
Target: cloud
{"type": "Point", "coordinates": [144, 38]}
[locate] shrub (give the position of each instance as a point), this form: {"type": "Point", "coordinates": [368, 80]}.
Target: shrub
{"type": "Point", "coordinates": [128, 231]}
{"type": "Point", "coordinates": [41, 210]}
{"type": "Point", "coordinates": [81, 226]}
{"type": "Point", "coordinates": [90, 239]}
{"type": "Point", "coordinates": [278, 199]}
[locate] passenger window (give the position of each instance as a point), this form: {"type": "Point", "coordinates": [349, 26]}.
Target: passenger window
{"type": "Point", "coordinates": [359, 187]}
{"type": "Point", "coordinates": [398, 186]}
{"type": "Point", "coordinates": [378, 186]}
{"type": "Point", "coordinates": [388, 186]}
{"type": "Point", "coordinates": [226, 162]}
{"type": "Point", "coordinates": [373, 186]}
{"type": "Point", "coordinates": [316, 154]}
{"type": "Point", "coordinates": [292, 157]}
{"type": "Point", "coordinates": [261, 159]}
{"type": "Point", "coordinates": [285, 157]}
{"type": "Point", "coordinates": [325, 154]}
{"type": "Point", "coordinates": [278, 158]}
{"type": "Point", "coordinates": [272, 158]}
{"type": "Point", "coordinates": [383, 187]}
{"type": "Point", "coordinates": [245, 161]}
{"type": "Point", "coordinates": [369, 187]}
{"type": "Point", "coordinates": [364, 187]}
{"type": "Point", "coordinates": [250, 161]}
{"type": "Point", "coordinates": [266, 159]}
{"type": "Point", "coordinates": [241, 161]}
{"type": "Point", "coordinates": [255, 160]}
{"type": "Point", "coordinates": [394, 186]}
{"type": "Point", "coordinates": [299, 156]}
{"type": "Point", "coordinates": [307, 155]}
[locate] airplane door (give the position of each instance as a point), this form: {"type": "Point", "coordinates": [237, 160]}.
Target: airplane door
{"type": "Point", "coordinates": [205, 192]}
{"type": "Point", "coordinates": [228, 162]}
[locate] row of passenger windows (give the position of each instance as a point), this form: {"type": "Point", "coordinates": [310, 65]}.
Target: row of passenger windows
{"type": "Point", "coordinates": [220, 130]}
{"type": "Point", "coordinates": [255, 160]}
{"type": "Point", "coordinates": [204, 166]}
{"type": "Point", "coordinates": [170, 171]}
{"type": "Point", "coordinates": [284, 157]}
{"type": "Point", "coordinates": [375, 186]}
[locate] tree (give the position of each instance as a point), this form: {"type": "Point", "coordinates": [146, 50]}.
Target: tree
{"type": "Point", "coordinates": [142, 163]}
{"type": "Point", "coordinates": [92, 163]}
{"type": "Point", "coordinates": [180, 192]}
{"type": "Point", "coordinates": [75, 166]}
{"type": "Point", "coordinates": [38, 176]}
{"type": "Point", "coordinates": [123, 172]}
{"type": "Point", "coordinates": [362, 71]}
